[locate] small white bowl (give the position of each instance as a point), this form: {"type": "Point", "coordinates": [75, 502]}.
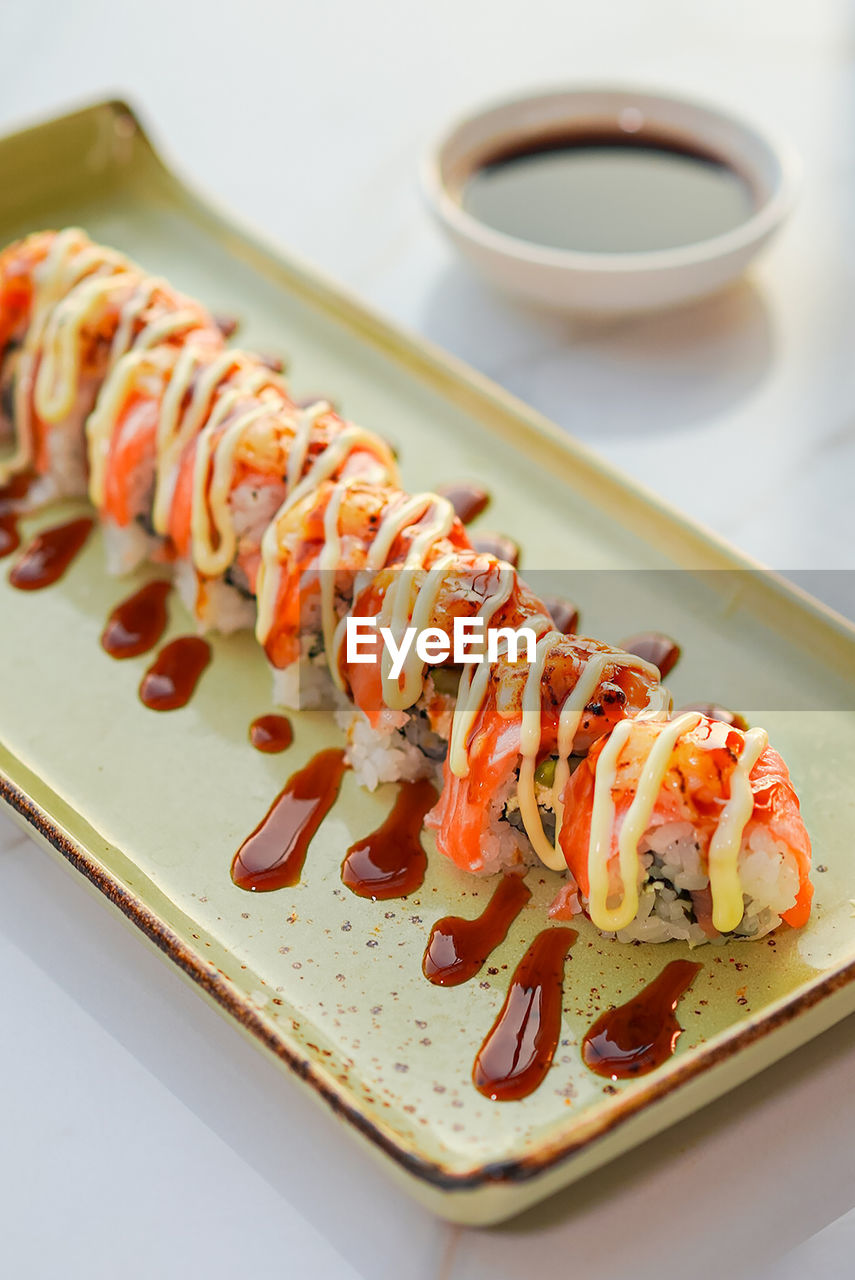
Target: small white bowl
{"type": "Point", "coordinates": [610, 282]}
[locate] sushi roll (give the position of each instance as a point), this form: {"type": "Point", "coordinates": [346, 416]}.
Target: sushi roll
{"type": "Point", "coordinates": [227, 484]}
{"type": "Point", "coordinates": [341, 477]}
{"type": "Point", "coordinates": [188, 451]}
{"type": "Point", "coordinates": [69, 310]}
{"type": "Point", "coordinates": [521, 731]}
{"type": "Point", "coordinates": [193, 454]}
{"type": "Point", "coordinates": [686, 829]}
{"type": "Point", "coordinates": [292, 520]}
{"type": "Point", "coordinates": [339, 537]}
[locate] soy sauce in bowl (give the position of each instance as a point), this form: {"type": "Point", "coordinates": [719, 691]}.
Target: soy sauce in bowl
{"type": "Point", "coordinates": [609, 199]}
{"type": "Point", "coordinates": [608, 190]}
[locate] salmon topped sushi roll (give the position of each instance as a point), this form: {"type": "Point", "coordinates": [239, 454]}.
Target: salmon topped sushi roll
{"type": "Point", "coordinates": [440, 662]}
{"type": "Point", "coordinates": [123, 434]}
{"type": "Point", "coordinates": [340, 479]}
{"type": "Point", "coordinates": [189, 452]}
{"type": "Point", "coordinates": [229, 483]}
{"type": "Point", "coordinates": [518, 732]}
{"type": "Point", "coordinates": [685, 829]}
{"type": "Point", "coordinates": [36, 274]}
{"type": "Point", "coordinates": [69, 310]}
{"type": "Point", "coordinates": [340, 536]}
{"type": "Point", "coordinates": [405, 710]}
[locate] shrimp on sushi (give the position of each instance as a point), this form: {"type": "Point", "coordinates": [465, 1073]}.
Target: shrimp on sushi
{"type": "Point", "coordinates": [401, 723]}
{"type": "Point", "coordinates": [685, 829]}
{"type": "Point", "coordinates": [519, 732]}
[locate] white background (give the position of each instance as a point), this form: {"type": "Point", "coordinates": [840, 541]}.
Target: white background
{"type": "Point", "coordinates": [139, 1134]}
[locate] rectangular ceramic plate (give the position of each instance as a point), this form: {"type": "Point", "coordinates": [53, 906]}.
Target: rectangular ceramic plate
{"type": "Point", "coordinates": [150, 808]}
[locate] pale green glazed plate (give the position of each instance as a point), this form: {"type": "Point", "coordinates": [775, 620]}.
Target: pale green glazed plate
{"type": "Point", "coordinates": [150, 808]}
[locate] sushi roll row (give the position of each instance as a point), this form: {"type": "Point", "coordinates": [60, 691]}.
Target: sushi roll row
{"type": "Point", "coordinates": [69, 311]}
{"type": "Point", "coordinates": [292, 520]}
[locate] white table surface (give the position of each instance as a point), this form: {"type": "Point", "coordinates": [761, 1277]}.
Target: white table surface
{"type": "Point", "coordinates": [140, 1134]}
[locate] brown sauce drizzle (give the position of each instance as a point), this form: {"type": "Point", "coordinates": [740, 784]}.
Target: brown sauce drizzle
{"type": "Point", "coordinates": [468, 500]}
{"type": "Point", "coordinates": [564, 614]}
{"type": "Point", "coordinates": [520, 1046]}
{"type": "Point", "coordinates": [170, 680]}
{"type": "Point", "coordinates": [136, 624]}
{"type": "Point", "coordinates": [713, 711]}
{"type": "Point", "coordinates": [271, 361]}
{"type": "Point", "coordinates": [11, 496]}
{"type": "Point", "coordinates": [639, 1036]}
{"type": "Point", "coordinates": [271, 734]}
{"type": "Point", "coordinates": [228, 325]}
{"type": "Point", "coordinates": [496, 544]}
{"type": "Point", "coordinates": [49, 554]}
{"type": "Point", "coordinates": [10, 538]}
{"type": "Point", "coordinates": [654, 647]}
{"type": "Point", "coordinates": [457, 947]}
{"type": "Point", "coordinates": [390, 863]}
{"type": "Point", "coordinates": [272, 856]}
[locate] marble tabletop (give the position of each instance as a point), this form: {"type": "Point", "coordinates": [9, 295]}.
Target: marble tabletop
{"type": "Point", "coordinates": [140, 1134]}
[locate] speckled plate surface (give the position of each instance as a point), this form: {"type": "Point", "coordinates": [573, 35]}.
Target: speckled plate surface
{"type": "Point", "coordinates": [150, 808]}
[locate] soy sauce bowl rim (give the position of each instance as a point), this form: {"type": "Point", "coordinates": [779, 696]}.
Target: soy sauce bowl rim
{"type": "Point", "coordinates": [765, 218]}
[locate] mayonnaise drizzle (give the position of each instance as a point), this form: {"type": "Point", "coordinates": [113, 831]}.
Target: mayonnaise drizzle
{"type": "Point", "coordinates": [212, 529]}
{"type": "Point", "coordinates": [474, 679]}
{"type": "Point", "coordinates": [325, 465]}
{"type": "Point", "coordinates": [59, 369]}
{"type": "Point", "coordinates": [179, 425]}
{"type": "Point", "coordinates": [634, 824]}
{"type": "Point", "coordinates": [70, 259]}
{"type": "Point", "coordinates": [728, 907]}
{"type": "Point", "coordinates": [131, 312]}
{"type": "Point", "coordinates": [71, 285]}
{"type": "Point", "coordinates": [327, 565]}
{"type": "Point", "coordinates": [101, 421]}
{"type": "Point", "coordinates": [406, 690]}
{"type": "Point", "coordinates": [658, 705]}
{"type": "Point", "coordinates": [302, 438]}
{"type": "Point", "coordinates": [235, 380]}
